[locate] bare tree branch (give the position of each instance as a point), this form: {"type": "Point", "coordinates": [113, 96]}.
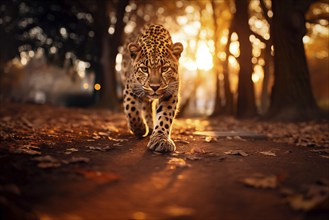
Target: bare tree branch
{"type": "Point", "coordinates": [260, 37]}
{"type": "Point", "coordinates": [315, 19]}
{"type": "Point", "coordinates": [265, 11]}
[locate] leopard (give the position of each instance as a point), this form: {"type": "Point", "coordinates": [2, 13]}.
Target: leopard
{"type": "Point", "coordinates": [151, 86]}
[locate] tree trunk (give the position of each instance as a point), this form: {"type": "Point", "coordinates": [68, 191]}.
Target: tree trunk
{"type": "Point", "coordinates": [292, 97]}
{"type": "Point", "coordinates": [265, 97]}
{"type": "Point", "coordinates": [218, 100]}
{"type": "Point", "coordinates": [228, 107]}
{"type": "Point", "coordinates": [246, 107]}
{"type": "Point", "coordinates": [109, 50]}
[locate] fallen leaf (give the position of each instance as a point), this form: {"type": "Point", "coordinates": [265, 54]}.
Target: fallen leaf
{"type": "Point", "coordinates": [236, 152]}
{"type": "Point", "coordinates": [103, 149]}
{"type": "Point", "coordinates": [103, 134]}
{"type": "Point", "coordinates": [72, 149]}
{"type": "Point", "coordinates": [321, 151]}
{"type": "Point", "coordinates": [26, 149]}
{"type": "Point", "coordinates": [268, 153]}
{"type": "Point", "coordinates": [46, 158]}
{"type": "Point", "coordinates": [196, 150]}
{"type": "Point", "coordinates": [209, 139]}
{"type": "Point", "coordinates": [192, 157]}
{"type": "Point", "coordinates": [77, 160]}
{"type": "Point", "coordinates": [47, 162]}
{"type": "Point", "coordinates": [116, 139]}
{"type": "Point", "coordinates": [313, 196]}
{"type": "Point", "coordinates": [264, 182]}
{"type": "Point", "coordinates": [177, 163]}
{"type": "Point", "coordinates": [300, 202]}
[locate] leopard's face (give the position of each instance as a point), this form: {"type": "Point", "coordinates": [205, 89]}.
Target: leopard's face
{"type": "Point", "coordinates": [156, 80]}
{"type": "Point", "coordinates": [155, 63]}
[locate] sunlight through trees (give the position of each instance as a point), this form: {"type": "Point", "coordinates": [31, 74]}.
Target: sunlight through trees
{"type": "Point", "coordinates": [89, 37]}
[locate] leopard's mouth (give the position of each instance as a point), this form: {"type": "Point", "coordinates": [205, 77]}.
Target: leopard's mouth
{"type": "Point", "coordinates": [154, 95]}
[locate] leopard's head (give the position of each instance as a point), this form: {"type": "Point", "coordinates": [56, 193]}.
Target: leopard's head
{"type": "Point", "coordinates": [155, 62]}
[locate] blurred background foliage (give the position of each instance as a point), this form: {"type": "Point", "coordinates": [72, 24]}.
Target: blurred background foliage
{"type": "Point", "coordinates": [243, 58]}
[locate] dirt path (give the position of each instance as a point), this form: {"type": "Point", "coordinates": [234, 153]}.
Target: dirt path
{"type": "Point", "coordinates": [59, 163]}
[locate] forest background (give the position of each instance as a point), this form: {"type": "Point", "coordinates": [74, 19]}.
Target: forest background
{"type": "Point", "coordinates": [243, 58]}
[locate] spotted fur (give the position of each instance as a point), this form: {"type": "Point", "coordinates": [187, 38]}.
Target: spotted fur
{"type": "Point", "coordinates": [151, 86]}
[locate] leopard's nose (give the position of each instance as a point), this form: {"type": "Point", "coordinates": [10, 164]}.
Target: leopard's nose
{"type": "Point", "coordinates": [155, 87]}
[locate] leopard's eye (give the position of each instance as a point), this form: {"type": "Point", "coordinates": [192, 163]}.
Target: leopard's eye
{"type": "Point", "coordinates": [165, 68]}
{"type": "Point", "coordinates": [144, 69]}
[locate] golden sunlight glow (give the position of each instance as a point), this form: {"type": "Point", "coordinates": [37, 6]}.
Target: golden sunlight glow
{"type": "Point", "coordinates": [223, 40]}
{"type": "Point", "coordinates": [322, 54]}
{"type": "Point", "coordinates": [270, 13]}
{"type": "Point", "coordinates": [256, 51]}
{"type": "Point", "coordinates": [307, 40]}
{"type": "Point", "coordinates": [255, 77]}
{"type": "Point", "coordinates": [118, 62]}
{"type": "Point", "coordinates": [258, 73]}
{"type": "Point", "coordinates": [85, 86]}
{"type": "Point", "coordinates": [192, 44]}
{"type": "Point", "coordinates": [111, 30]}
{"type": "Point", "coordinates": [189, 9]}
{"type": "Point", "coordinates": [233, 62]}
{"type": "Point", "coordinates": [190, 65]}
{"type": "Point", "coordinates": [23, 61]}
{"type": "Point", "coordinates": [97, 87]}
{"type": "Point", "coordinates": [234, 48]}
{"type": "Point", "coordinates": [204, 57]}
{"type": "Point", "coordinates": [234, 36]}
{"type": "Point", "coordinates": [222, 56]}
{"type": "Point", "coordinates": [182, 20]}
{"type": "Point", "coordinates": [53, 50]}
{"type": "Point", "coordinates": [260, 27]}
{"type": "Point", "coordinates": [81, 67]}
{"type": "Point", "coordinates": [192, 29]}
{"type": "Point", "coordinates": [261, 61]}
{"type": "Point", "coordinates": [24, 58]}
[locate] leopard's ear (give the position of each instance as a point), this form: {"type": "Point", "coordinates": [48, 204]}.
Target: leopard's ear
{"type": "Point", "coordinates": [133, 49]}
{"type": "Point", "coordinates": [177, 49]}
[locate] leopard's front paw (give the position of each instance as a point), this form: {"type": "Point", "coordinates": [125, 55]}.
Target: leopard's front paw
{"type": "Point", "coordinates": [161, 143]}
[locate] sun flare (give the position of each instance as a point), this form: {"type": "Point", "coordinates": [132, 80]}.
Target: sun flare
{"type": "Point", "coordinates": [203, 57]}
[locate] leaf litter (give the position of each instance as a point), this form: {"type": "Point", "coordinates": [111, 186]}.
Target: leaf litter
{"type": "Point", "coordinates": [261, 181]}
{"type": "Point", "coordinates": [175, 163]}
{"type": "Point", "coordinates": [26, 149]}
{"type": "Point", "coordinates": [96, 148]}
{"type": "Point", "coordinates": [76, 160]}
{"type": "Point", "coordinates": [311, 197]}
{"type": "Point", "coordinates": [236, 152]}
{"type": "Point", "coordinates": [268, 153]}
{"type": "Point", "coordinates": [49, 161]}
